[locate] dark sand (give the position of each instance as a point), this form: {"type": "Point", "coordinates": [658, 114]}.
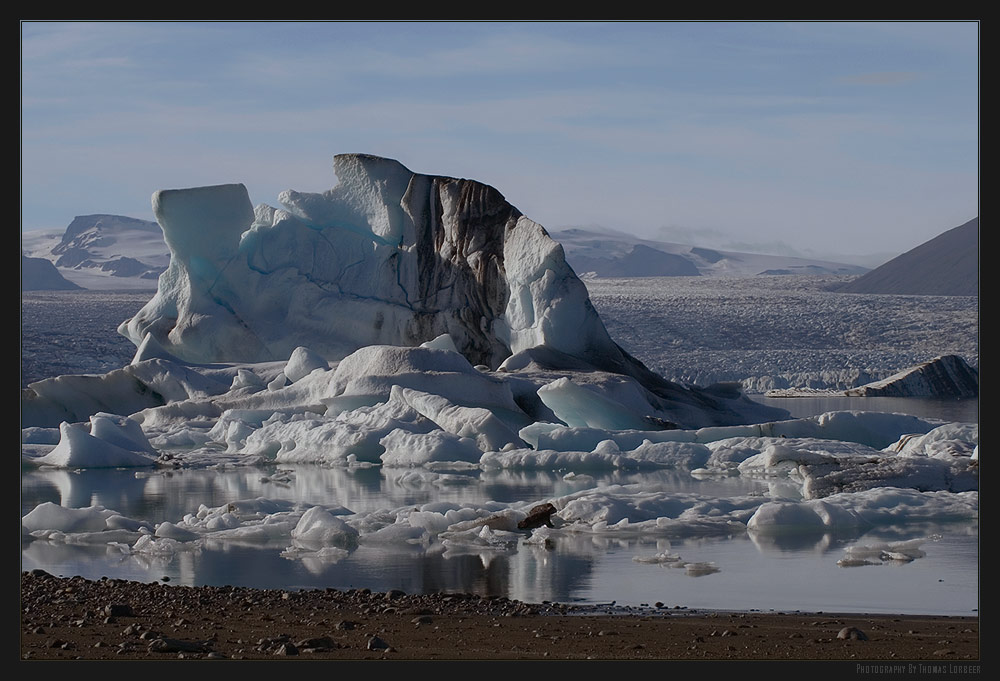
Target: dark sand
{"type": "Point", "coordinates": [110, 619]}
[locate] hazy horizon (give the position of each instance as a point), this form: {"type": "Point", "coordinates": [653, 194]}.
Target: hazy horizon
{"type": "Point", "coordinates": [805, 138]}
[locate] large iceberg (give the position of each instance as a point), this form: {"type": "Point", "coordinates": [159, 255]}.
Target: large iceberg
{"type": "Point", "coordinates": [388, 258]}
{"type": "Point", "coordinates": [945, 376]}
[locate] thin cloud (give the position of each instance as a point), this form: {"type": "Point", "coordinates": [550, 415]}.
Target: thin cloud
{"type": "Point", "coordinates": [880, 78]}
{"type": "Point", "coordinates": [747, 128]}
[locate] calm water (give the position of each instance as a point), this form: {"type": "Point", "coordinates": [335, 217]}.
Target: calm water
{"type": "Point", "coordinates": [964, 411]}
{"type": "Point", "coordinates": [796, 573]}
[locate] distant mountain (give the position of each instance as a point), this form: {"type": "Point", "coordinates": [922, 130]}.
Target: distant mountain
{"type": "Point", "coordinates": [39, 274]}
{"type": "Point", "coordinates": [650, 262]}
{"type": "Point", "coordinates": [616, 254]}
{"type": "Point", "coordinates": [947, 265]}
{"type": "Point", "coordinates": [104, 251]}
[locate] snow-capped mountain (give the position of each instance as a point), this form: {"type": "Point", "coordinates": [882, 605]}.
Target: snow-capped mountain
{"type": "Point", "coordinates": [608, 253]}
{"type": "Point", "coordinates": [102, 252]}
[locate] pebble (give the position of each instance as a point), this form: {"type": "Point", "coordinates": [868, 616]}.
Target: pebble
{"type": "Point", "coordinates": [376, 643]}
{"type": "Point", "coordinates": [852, 634]}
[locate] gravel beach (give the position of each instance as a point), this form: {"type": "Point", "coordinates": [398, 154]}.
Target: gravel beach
{"type": "Point", "coordinates": [113, 619]}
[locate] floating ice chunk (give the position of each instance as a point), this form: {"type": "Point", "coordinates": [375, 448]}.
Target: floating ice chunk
{"type": "Point", "coordinates": [856, 562]}
{"type": "Point", "coordinates": [372, 372]}
{"type": "Point", "coordinates": [781, 517]}
{"type": "Point", "coordinates": [605, 455]}
{"type": "Point", "coordinates": [235, 425]}
{"type": "Point", "coordinates": [120, 431]}
{"type": "Point", "coordinates": [946, 442]}
{"type": "Point", "coordinates": [784, 456]}
{"type": "Point", "coordinates": [874, 429]}
{"type": "Point", "coordinates": [825, 467]}
{"type": "Point", "coordinates": [555, 436]}
{"type": "Point", "coordinates": [919, 473]}
{"type": "Point", "coordinates": [324, 440]}
{"type": "Point", "coordinates": [183, 437]}
{"type": "Point", "coordinates": [49, 516]}
{"type": "Point", "coordinates": [168, 530]}
{"type": "Point", "coordinates": [659, 558]}
{"type": "Point", "coordinates": [888, 505]}
{"type": "Point", "coordinates": [404, 448]}
{"type": "Point", "coordinates": [221, 521]}
{"type": "Point", "coordinates": [316, 561]}
{"type": "Point", "coordinates": [631, 509]}
{"type": "Point", "coordinates": [579, 407]}
{"type": "Point", "coordinates": [40, 436]}
{"type": "Point", "coordinates": [260, 509]}
{"type": "Point", "coordinates": [883, 552]}
{"type": "Point", "coordinates": [850, 510]}
{"type": "Point", "coordinates": [157, 546]}
{"type": "Point", "coordinates": [550, 459]}
{"type": "Point", "coordinates": [435, 519]}
{"type": "Point", "coordinates": [303, 362]}
{"type": "Point", "coordinates": [318, 526]}
{"type": "Point", "coordinates": [252, 520]}
{"type": "Point", "coordinates": [532, 432]}
{"type": "Point", "coordinates": [541, 536]}
{"type": "Point", "coordinates": [120, 522]}
{"type": "Point", "coordinates": [489, 432]}
{"type": "Point", "coordinates": [398, 533]}
{"type": "Point", "coordinates": [943, 376]}
{"type": "Point", "coordinates": [148, 384]}
{"type": "Point", "coordinates": [672, 454]}
{"type": "Point", "coordinates": [484, 537]}
{"type": "Point", "coordinates": [700, 569]}
{"type": "Point", "coordinates": [79, 449]}
{"type": "Point", "coordinates": [777, 454]}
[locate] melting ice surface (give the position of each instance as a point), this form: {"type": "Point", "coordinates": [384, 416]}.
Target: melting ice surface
{"type": "Point", "coordinates": [404, 465]}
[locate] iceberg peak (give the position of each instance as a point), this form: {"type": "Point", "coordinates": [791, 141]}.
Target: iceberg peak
{"type": "Point", "coordinates": [387, 256]}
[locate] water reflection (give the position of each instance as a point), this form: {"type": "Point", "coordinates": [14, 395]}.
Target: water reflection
{"type": "Point", "coordinates": [739, 571]}
{"type": "Point", "coordinates": [960, 411]}
{"type": "Point", "coordinates": [168, 495]}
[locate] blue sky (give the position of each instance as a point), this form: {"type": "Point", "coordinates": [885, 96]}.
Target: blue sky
{"type": "Point", "coordinates": [816, 138]}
